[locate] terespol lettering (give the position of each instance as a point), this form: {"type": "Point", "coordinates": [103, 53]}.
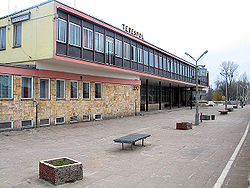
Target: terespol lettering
{"type": "Point", "coordinates": [132, 31]}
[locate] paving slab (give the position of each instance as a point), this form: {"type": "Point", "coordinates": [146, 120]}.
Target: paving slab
{"type": "Point", "coordinates": [170, 157]}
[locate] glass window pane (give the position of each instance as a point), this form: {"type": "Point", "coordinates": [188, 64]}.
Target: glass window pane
{"type": "Point", "coordinates": [74, 89]}
{"type": "Point", "coordinates": [17, 35]}
{"type": "Point", "coordinates": [26, 87]}
{"type": "Point", "coordinates": [60, 84]}
{"type": "Point", "coordinates": [44, 88]}
{"type": "Point", "coordinates": [98, 90]}
{"type": "Point", "coordinates": [145, 58]}
{"type": "Point", "coordinates": [3, 38]}
{"type": "Point", "coordinates": [156, 61]}
{"type": "Point", "coordinates": [86, 92]}
{"type": "Point", "coordinates": [5, 86]}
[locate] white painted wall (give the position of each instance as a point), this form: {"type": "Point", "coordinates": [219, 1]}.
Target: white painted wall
{"type": "Point", "coordinates": [83, 69]}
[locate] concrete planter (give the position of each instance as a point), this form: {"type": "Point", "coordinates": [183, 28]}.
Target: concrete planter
{"type": "Point", "coordinates": [60, 174]}
{"type": "Point", "coordinates": [184, 125]}
{"type": "Point", "coordinates": [205, 117]}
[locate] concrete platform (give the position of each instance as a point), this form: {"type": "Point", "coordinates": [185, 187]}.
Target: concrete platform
{"type": "Point", "coordinates": [171, 158]}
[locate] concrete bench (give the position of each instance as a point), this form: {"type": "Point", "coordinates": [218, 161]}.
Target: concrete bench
{"type": "Point", "coordinates": [131, 139]}
{"type": "Point", "coordinates": [223, 111]}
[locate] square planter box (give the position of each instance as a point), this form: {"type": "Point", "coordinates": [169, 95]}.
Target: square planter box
{"type": "Point", "coordinates": [68, 172]}
{"type": "Point", "coordinates": [184, 125]}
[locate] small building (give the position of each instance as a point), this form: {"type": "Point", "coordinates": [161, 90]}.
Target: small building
{"type": "Point", "coordinates": [59, 65]}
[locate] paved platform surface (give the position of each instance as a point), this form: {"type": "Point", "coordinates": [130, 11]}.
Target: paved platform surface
{"type": "Point", "coordinates": [170, 157]}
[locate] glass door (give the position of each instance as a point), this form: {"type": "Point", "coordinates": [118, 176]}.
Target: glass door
{"type": "Point", "coordinates": [109, 50]}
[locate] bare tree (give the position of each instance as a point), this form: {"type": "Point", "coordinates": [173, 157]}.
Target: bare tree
{"type": "Point", "coordinates": [229, 71]}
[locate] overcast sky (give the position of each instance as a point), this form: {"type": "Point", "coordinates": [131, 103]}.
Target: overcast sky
{"type": "Point", "coordinates": [220, 26]}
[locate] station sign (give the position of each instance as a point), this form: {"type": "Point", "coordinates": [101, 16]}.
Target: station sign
{"type": "Point", "coordinates": [132, 31]}
{"type": "Point", "coordinates": [20, 18]}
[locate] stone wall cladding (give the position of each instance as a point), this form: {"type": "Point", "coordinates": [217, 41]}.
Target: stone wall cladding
{"type": "Point", "coordinates": [117, 101]}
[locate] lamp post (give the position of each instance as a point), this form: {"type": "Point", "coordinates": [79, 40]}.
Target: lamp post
{"type": "Point", "coordinates": [197, 93]}
{"type": "Point", "coordinates": [225, 75]}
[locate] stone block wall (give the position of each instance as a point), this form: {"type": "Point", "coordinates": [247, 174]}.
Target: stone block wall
{"type": "Point", "coordinates": [117, 101]}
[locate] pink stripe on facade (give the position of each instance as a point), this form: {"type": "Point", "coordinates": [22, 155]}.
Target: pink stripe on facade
{"type": "Point", "coordinates": [69, 59]}
{"type": "Point", "coordinates": [63, 75]}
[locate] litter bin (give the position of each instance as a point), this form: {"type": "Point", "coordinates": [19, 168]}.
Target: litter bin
{"type": "Point", "coordinates": [213, 117]}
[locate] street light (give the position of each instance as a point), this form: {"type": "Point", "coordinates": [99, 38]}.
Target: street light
{"type": "Point", "coordinates": [225, 75]}
{"type": "Point", "coordinates": [197, 93]}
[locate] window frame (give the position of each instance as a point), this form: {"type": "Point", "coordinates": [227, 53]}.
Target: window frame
{"type": "Point", "coordinates": [48, 88]}
{"type": "Point", "coordinates": [60, 123]}
{"type": "Point", "coordinates": [80, 35]}
{"type": "Point", "coordinates": [44, 124]}
{"type": "Point", "coordinates": [1, 37]}
{"type": "Point", "coordinates": [134, 53]}
{"type": "Point", "coordinates": [15, 36]}
{"type": "Point", "coordinates": [145, 58]}
{"type": "Point", "coordinates": [156, 57]}
{"type": "Point", "coordinates": [126, 49]}
{"type": "Point", "coordinates": [12, 80]}
{"type": "Point", "coordinates": [117, 41]}
{"type": "Point", "coordinates": [151, 59]}
{"type": "Point", "coordinates": [139, 55]}
{"type": "Point", "coordinates": [32, 123]}
{"type": "Point", "coordinates": [101, 90]}
{"type": "Point", "coordinates": [99, 42]}
{"type": "Point", "coordinates": [83, 92]}
{"type": "Point", "coordinates": [58, 40]}
{"type": "Point", "coordinates": [11, 125]}
{"type": "Point", "coordinates": [64, 96]}
{"type": "Point", "coordinates": [31, 87]}
{"type": "Point", "coordinates": [74, 81]}
{"type": "Point", "coordinates": [83, 40]}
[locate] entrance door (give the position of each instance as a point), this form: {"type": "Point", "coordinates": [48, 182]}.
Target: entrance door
{"type": "Point", "coordinates": [109, 50]}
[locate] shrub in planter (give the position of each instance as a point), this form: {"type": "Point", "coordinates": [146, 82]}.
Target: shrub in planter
{"type": "Point", "coordinates": [60, 170]}
{"type": "Point", "coordinates": [184, 125]}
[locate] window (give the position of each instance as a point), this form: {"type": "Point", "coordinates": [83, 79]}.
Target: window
{"type": "Point", "coordinates": [164, 64]}
{"type": "Point", "coordinates": [151, 59]}
{"type": "Point", "coordinates": [2, 38]}
{"type": "Point", "coordinates": [126, 51]}
{"type": "Point", "coordinates": [73, 119]}
{"type": "Point", "coordinates": [44, 122]}
{"type": "Point", "coordinates": [172, 65]}
{"type": "Point", "coordinates": [86, 90]}
{"type": "Point", "coordinates": [60, 120]}
{"type": "Point", "coordinates": [99, 42]}
{"type": "Point", "coordinates": [109, 45]}
{"type": "Point", "coordinates": [139, 55]}
{"type": "Point", "coordinates": [87, 38]}
{"type": "Point", "coordinates": [27, 123]}
{"type": "Point", "coordinates": [118, 48]}
{"type": "Point", "coordinates": [44, 89]}
{"type": "Point", "coordinates": [98, 90]}
{"type": "Point", "coordinates": [97, 117]}
{"type": "Point", "coordinates": [27, 88]}
{"type": "Point", "coordinates": [60, 89]}
{"type": "Point", "coordinates": [160, 62]}
{"type": "Point", "coordinates": [74, 34]}
{"type": "Point", "coordinates": [6, 125]}
{"type": "Point", "coordinates": [134, 53]}
{"type": "Point", "coordinates": [168, 64]}
{"type": "Point", "coordinates": [61, 30]}
{"type": "Point", "coordinates": [177, 67]}
{"type": "Point", "coordinates": [156, 61]}
{"type": "Point", "coordinates": [17, 35]}
{"type": "Point", "coordinates": [85, 117]}
{"type": "Point", "coordinates": [145, 58]}
{"type": "Point", "coordinates": [74, 90]}
{"type": "Point", "coordinates": [180, 68]}
{"type": "Point", "coordinates": [6, 87]}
